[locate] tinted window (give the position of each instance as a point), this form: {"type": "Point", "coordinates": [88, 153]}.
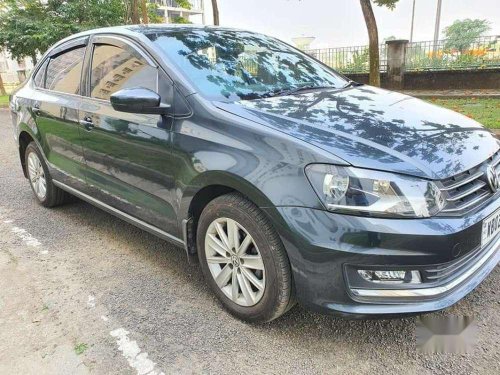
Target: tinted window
{"type": "Point", "coordinates": [230, 64]}
{"type": "Point", "coordinates": [64, 71]}
{"type": "Point", "coordinates": [115, 68]}
{"type": "Point", "coordinates": [39, 79]}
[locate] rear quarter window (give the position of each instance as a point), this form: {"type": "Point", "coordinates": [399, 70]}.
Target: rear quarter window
{"type": "Point", "coordinates": [64, 71]}
{"type": "Point", "coordinates": [39, 79]}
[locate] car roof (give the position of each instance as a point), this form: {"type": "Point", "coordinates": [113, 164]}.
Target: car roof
{"type": "Point", "coordinates": [150, 28]}
{"type": "Point", "coordinates": [139, 31]}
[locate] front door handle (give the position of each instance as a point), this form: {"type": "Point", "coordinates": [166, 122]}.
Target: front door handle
{"type": "Point", "coordinates": [87, 123]}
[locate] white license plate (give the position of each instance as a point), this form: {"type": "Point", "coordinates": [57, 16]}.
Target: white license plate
{"type": "Point", "coordinates": [491, 227]}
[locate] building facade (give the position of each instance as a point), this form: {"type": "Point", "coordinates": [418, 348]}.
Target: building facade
{"type": "Point", "coordinates": [172, 12]}
{"type": "Point", "coordinates": [13, 72]}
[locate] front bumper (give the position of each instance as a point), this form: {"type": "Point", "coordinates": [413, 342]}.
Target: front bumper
{"type": "Point", "coordinates": [321, 245]}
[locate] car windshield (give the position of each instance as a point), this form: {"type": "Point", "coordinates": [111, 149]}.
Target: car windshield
{"type": "Point", "coordinates": [235, 65]}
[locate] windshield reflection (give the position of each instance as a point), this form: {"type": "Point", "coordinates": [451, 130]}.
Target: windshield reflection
{"type": "Point", "coordinates": [237, 65]}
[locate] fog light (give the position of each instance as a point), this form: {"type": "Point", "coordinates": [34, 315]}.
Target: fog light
{"type": "Point", "coordinates": [393, 277]}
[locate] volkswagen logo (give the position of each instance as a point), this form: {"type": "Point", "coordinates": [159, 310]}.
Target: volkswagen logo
{"type": "Point", "coordinates": [493, 178]}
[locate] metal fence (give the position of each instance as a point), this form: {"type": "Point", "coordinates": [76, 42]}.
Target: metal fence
{"type": "Point", "coordinates": [482, 53]}
{"type": "Point", "coordinates": [349, 59]}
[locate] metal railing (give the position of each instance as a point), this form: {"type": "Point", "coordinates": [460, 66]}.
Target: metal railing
{"type": "Point", "coordinates": [482, 53]}
{"type": "Point", "coordinates": [349, 59]}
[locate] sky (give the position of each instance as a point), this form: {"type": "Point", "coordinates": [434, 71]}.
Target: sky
{"type": "Point", "coordinates": [339, 23]}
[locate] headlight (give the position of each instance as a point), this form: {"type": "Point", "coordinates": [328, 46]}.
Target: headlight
{"type": "Point", "coordinates": [367, 192]}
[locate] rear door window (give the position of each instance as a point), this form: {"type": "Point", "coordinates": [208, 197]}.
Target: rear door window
{"type": "Point", "coordinates": [115, 68]}
{"type": "Point", "coordinates": [64, 71]}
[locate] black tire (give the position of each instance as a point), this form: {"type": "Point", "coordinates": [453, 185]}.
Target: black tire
{"type": "Point", "coordinates": [278, 295]}
{"type": "Point", "coordinates": [54, 196]}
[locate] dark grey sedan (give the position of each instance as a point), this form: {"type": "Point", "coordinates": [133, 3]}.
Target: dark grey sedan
{"type": "Point", "coordinates": [288, 181]}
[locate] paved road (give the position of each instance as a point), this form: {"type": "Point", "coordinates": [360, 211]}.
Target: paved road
{"type": "Point", "coordinates": [83, 292]}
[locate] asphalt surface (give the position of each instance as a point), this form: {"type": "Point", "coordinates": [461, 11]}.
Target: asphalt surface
{"type": "Point", "coordinates": [84, 292]}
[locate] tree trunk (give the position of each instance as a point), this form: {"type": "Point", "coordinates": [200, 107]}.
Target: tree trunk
{"type": "Point", "coordinates": [215, 9]}
{"type": "Point", "coordinates": [2, 88]}
{"type": "Point", "coordinates": [144, 9]}
{"type": "Point", "coordinates": [135, 12]}
{"type": "Point", "coordinates": [34, 59]}
{"type": "Point", "coordinates": [371, 25]}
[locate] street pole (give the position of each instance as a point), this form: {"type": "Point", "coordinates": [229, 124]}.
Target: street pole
{"type": "Point", "coordinates": [436, 28]}
{"type": "Point", "coordinates": [412, 21]}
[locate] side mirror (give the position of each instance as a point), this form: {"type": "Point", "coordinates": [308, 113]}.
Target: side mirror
{"type": "Point", "coordinates": [139, 100]}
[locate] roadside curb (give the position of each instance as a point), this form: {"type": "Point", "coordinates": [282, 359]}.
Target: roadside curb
{"type": "Point", "coordinates": [453, 95]}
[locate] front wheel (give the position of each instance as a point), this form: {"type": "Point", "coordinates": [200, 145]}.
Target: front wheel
{"type": "Point", "coordinates": [243, 259]}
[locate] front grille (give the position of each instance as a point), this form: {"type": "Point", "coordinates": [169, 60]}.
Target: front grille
{"type": "Point", "coordinates": [468, 190]}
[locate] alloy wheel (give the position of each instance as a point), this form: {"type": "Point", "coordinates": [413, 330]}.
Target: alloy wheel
{"type": "Point", "coordinates": [36, 175]}
{"type": "Point", "coordinates": [235, 262]}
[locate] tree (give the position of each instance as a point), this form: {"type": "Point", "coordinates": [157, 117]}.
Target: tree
{"type": "Point", "coordinates": [215, 11]}
{"type": "Point", "coordinates": [153, 15]}
{"type": "Point", "coordinates": [180, 20]}
{"type": "Point", "coordinates": [462, 33]}
{"type": "Point", "coordinates": [371, 25]}
{"type": "Point", "coordinates": [144, 11]}
{"type": "Point", "coordinates": [29, 27]}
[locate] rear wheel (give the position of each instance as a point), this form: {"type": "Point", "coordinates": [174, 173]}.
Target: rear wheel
{"type": "Point", "coordinates": [243, 259]}
{"type": "Point", "coordinates": [40, 180]}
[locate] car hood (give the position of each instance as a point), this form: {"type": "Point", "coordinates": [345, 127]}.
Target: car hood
{"type": "Point", "coordinates": [378, 129]}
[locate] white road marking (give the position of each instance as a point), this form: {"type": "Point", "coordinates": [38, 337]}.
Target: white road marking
{"type": "Point", "coordinates": [131, 351]}
{"type": "Point", "coordinates": [23, 234]}
{"type": "Point", "coordinates": [136, 358]}
{"type": "Point", "coordinates": [27, 238]}
{"type": "Point", "coordinates": [91, 301]}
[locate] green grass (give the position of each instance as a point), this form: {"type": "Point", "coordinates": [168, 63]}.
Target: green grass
{"type": "Point", "coordinates": [4, 101]}
{"type": "Point", "coordinates": [80, 348]}
{"type": "Point", "coordinates": [484, 111]}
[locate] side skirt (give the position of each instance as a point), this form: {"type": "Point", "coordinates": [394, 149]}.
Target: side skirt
{"type": "Point", "coordinates": [122, 215]}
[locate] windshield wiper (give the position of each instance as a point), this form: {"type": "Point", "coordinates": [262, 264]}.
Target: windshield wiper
{"type": "Point", "coordinates": [294, 90]}
{"type": "Point", "coordinates": [352, 84]}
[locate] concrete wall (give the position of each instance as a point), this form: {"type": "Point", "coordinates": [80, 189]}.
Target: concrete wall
{"type": "Point", "coordinates": [397, 78]}
{"type": "Point", "coordinates": [442, 80]}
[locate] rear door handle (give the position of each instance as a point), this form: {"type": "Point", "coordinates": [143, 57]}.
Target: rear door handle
{"type": "Point", "coordinates": [87, 123]}
{"type": "Point", "coordinates": [36, 108]}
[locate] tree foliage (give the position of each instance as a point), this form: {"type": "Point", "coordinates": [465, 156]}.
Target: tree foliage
{"type": "Point", "coordinates": [180, 20]}
{"type": "Point", "coordinates": [391, 4]}
{"type": "Point", "coordinates": [183, 4]}
{"type": "Point", "coordinates": [462, 33]}
{"type": "Point", "coordinates": [29, 27]}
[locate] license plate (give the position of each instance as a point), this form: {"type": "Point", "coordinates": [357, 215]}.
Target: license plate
{"type": "Point", "coordinates": [491, 227]}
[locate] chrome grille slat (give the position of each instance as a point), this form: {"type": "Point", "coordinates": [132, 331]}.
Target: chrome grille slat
{"type": "Point", "coordinates": [469, 189]}
{"type": "Point", "coordinates": [465, 181]}
{"type": "Point", "coordinates": [478, 184]}
{"type": "Point", "coordinates": [496, 160]}
{"type": "Point", "coordinates": [469, 203]}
